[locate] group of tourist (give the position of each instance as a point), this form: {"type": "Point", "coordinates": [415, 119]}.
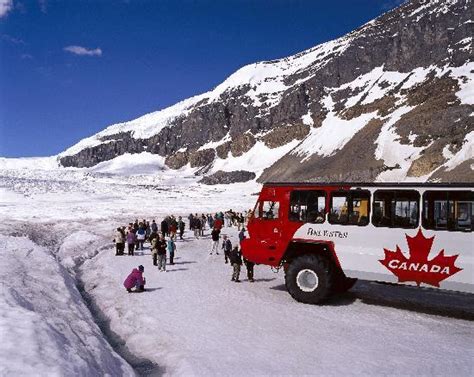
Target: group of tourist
{"type": "Point", "coordinates": [199, 223]}
{"type": "Point", "coordinates": [162, 242]}
{"type": "Point", "coordinates": [137, 233]}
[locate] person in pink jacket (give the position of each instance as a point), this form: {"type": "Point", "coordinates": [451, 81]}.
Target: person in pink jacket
{"type": "Point", "coordinates": [135, 279]}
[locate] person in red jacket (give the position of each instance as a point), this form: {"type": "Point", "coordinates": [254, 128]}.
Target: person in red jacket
{"type": "Point", "coordinates": [135, 279]}
{"type": "Point", "coordinates": [218, 223]}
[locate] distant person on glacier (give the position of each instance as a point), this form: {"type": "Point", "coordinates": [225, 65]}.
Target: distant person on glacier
{"type": "Point", "coordinates": [215, 235]}
{"type": "Point", "coordinates": [196, 226]}
{"type": "Point", "coordinates": [180, 227]}
{"type": "Point", "coordinates": [173, 227]}
{"type": "Point", "coordinates": [227, 246]}
{"type": "Point", "coordinates": [164, 227]}
{"type": "Point", "coordinates": [119, 241]}
{"type": "Point", "coordinates": [236, 261]}
{"type": "Point", "coordinates": [248, 264]}
{"type": "Point", "coordinates": [131, 239]}
{"type": "Point", "coordinates": [218, 222]}
{"type": "Point", "coordinates": [141, 236]}
{"type": "Point", "coordinates": [191, 222]}
{"type": "Point", "coordinates": [135, 279]}
{"type": "Point", "coordinates": [154, 249]}
{"type": "Point", "coordinates": [154, 227]}
{"type": "Point", "coordinates": [171, 246]}
{"type": "Point", "coordinates": [161, 253]}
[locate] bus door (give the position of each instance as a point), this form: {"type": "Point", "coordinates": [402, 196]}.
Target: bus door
{"type": "Point", "coordinates": [267, 227]}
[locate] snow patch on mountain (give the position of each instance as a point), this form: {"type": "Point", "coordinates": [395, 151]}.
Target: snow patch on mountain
{"type": "Point", "coordinates": [257, 159]}
{"type": "Point", "coordinates": [333, 134]}
{"type": "Point", "coordinates": [465, 80]}
{"type": "Point", "coordinates": [132, 164]}
{"type": "Point", "coordinates": [393, 153]}
{"type": "Point", "coordinates": [465, 154]}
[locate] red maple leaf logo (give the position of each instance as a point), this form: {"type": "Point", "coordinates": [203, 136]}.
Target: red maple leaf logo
{"type": "Point", "coordinates": [418, 268]}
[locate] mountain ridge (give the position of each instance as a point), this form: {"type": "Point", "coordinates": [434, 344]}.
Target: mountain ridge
{"type": "Point", "coordinates": [392, 100]}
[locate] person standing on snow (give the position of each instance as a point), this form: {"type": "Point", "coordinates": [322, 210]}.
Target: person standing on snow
{"type": "Point", "coordinates": [131, 239]}
{"type": "Point", "coordinates": [173, 227]}
{"type": "Point", "coordinates": [196, 226]}
{"type": "Point", "coordinates": [171, 249]}
{"type": "Point", "coordinates": [191, 222]}
{"type": "Point", "coordinates": [154, 249]}
{"type": "Point", "coordinates": [154, 227]}
{"type": "Point", "coordinates": [180, 227]}
{"type": "Point", "coordinates": [119, 241]}
{"type": "Point", "coordinates": [215, 235]}
{"type": "Point", "coordinates": [164, 227]}
{"type": "Point", "coordinates": [227, 246]}
{"type": "Point", "coordinates": [135, 279]}
{"type": "Point", "coordinates": [218, 222]}
{"type": "Point", "coordinates": [248, 264]}
{"type": "Point", "coordinates": [236, 261]}
{"type": "Point", "coordinates": [161, 253]}
{"type": "Point", "coordinates": [141, 235]}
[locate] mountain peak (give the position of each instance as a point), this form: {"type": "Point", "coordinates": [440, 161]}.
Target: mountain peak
{"type": "Point", "coordinates": [390, 100]}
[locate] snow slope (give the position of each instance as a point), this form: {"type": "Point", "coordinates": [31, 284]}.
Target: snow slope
{"type": "Point", "coordinates": [195, 321]}
{"type": "Point", "coordinates": [46, 329]}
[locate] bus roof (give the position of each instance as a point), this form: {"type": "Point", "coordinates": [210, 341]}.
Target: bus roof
{"type": "Point", "coordinates": [469, 185]}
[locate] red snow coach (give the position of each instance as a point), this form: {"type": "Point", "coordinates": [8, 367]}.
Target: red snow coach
{"type": "Point", "coordinates": [325, 235]}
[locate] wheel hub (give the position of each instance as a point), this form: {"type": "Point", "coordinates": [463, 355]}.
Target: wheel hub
{"type": "Point", "coordinates": [307, 280]}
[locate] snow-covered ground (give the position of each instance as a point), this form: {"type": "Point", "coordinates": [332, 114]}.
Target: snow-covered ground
{"type": "Point", "coordinates": [195, 321]}
{"type": "Point", "coordinates": [46, 328]}
{"type": "Point", "coordinates": [57, 232]}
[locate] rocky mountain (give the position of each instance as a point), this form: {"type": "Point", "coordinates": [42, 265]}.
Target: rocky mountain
{"type": "Point", "coordinates": [390, 101]}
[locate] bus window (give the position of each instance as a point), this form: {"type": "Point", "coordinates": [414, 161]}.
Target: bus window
{"type": "Point", "coordinates": [267, 210]}
{"type": "Point", "coordinates": [350, 208]}
{"type": "Point", "coordinates": [448, 210]}
{"type": "Point", "coordinates": [396, 208]}
{"type": "Point", "coordinates": [307, 206]}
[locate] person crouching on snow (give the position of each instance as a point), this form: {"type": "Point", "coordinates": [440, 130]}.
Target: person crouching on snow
{"type": "Point", "coordinates": [135, 279]}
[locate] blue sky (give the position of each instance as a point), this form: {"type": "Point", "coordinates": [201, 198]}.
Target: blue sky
{"type": "Point", "coordinates": [70, 68]}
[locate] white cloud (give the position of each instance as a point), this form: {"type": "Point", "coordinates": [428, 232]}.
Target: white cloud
{"type": "Point", "coordinates": [5, 7]}
{"type": "Point", "coordinates": [83, 51]}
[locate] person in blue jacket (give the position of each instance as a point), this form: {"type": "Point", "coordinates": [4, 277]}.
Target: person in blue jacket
{"type": "Point", "coordinates": [171, 249]}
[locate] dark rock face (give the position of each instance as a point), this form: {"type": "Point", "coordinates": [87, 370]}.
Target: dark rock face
{"type": "Point", "coordinates": [418, 34]}
{"type": "Point", "coordinates": [241, 144]}
{"type": "Point", "coordinates": [279, 136]}
{"type": "Point", "coordinates": [222, 177]}
{"type": "Point", "coordinates": [202, 158]}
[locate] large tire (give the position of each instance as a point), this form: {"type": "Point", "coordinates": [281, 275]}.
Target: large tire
{"type": "Point", "coordinates": [309, 278]}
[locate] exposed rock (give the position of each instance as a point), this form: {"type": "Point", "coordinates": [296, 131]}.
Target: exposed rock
{"type": "Point", "coordinates": [202, 158]}
{"type": "Point", "coordinates": [284, 134]}
{"type": "Point", "coordinates": [223, 177]}
{"type": "Point", "coordinates": [382, 106]}
{"type": "Point", "coordinates": [437, 114]}
{"type": "Point", "coordinates": [241, 144]}
{"type": "Point", "coordinates": [177, 160]}
{"type": "Point", "coordinates": [430, 159]}
{"type": "Point", "coordinates": [461, 173]}
{"type": "Point", "coordinates": [223, 150]}
{"type": "Point", "coordinates": [355, 162]}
